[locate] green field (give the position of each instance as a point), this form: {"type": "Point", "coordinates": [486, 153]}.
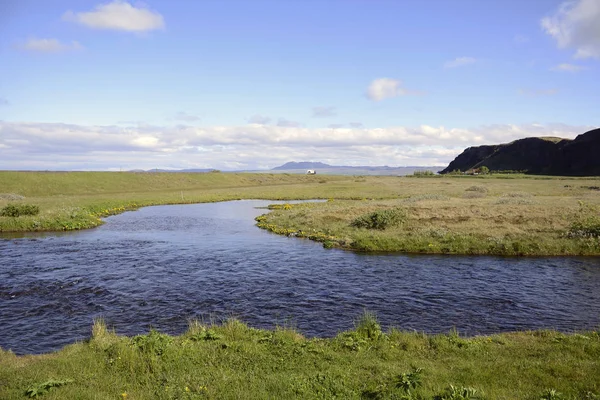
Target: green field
{"type": "Point", "coordinates": [497, 214]}
{"type": "Point", "coordinates": [234, 361]}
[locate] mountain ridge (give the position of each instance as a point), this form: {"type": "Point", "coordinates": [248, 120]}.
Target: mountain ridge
{"type": "Point", "coordinates": [535, 155]}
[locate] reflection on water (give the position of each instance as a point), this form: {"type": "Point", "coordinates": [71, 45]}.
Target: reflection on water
{"type": "Point", "coordinates": [159, 266]}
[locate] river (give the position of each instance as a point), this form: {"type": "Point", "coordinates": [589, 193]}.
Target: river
{"type": "Point", "coordinates": [160, 266]}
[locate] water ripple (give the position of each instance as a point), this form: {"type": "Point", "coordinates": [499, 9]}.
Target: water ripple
{"type": "Point", "coordinates": [160, 266]}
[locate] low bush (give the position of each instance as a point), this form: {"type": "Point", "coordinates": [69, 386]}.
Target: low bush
{"type": "Point", "coordinates": [16, 210]}
{"type": "Point", "coordinates": [381, 219]}
{"type": "Point", "coordinates": [423, 173]}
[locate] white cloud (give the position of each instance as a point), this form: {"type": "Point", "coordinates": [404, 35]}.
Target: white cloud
{"type": "Point", "coordinates": [568, 68]}
{"type": "Point", "coordinates": [460, 62]}
{"type": "Point", "coordinates": [48, 46]}
{"type": "Point", "coordinates": [118, 15]}
{"type": "Point", "coordinates": [386, 88]}
{"type": "Point", "coordinates": [537, 92]}
{"type": "Point", "coordinates": [51, 146]}
{"type": "Point", "coordinates": [322, 112]}
{"type": "Point", "coordinates": [575, 26]}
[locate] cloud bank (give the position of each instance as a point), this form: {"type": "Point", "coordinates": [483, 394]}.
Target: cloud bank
{"type": "Point", "coordinates": [67, 146]}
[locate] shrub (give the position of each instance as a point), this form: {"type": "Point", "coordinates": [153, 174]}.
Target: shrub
{"type": "Point", "coordinates": [16, 210]}
{"type": "Point", "coordinates": [484, 170]}
{"type": "Point", "coordinates": [423, 173]}
{"type": "Point", "coordinates": [381, 219]}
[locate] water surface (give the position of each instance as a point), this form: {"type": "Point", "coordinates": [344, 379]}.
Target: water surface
{"type": "Point", "coordinates": [159, 266]}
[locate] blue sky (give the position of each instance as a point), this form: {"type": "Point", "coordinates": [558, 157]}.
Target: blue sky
{"type": "Point", "coordinates": [252, 84]}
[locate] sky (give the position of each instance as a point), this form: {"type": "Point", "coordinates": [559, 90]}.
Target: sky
{"type": "Point", "coordinates": [252, 84]}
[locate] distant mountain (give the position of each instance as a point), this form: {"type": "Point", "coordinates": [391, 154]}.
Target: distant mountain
{"type": "Point", "coordinates": [302, 165]}
{"type": "Point", "coordinates": [174, 170]}
{"type": "Point", "coordinates": [321, 168]}
{"type": "Point", "coordinates": [326, 169]}
{"type": "Point", "coordinates": [536, 155]}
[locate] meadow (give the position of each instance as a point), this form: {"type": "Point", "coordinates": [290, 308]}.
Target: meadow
{"type": "Point", "coordinates": [494, 214]}
{"type": "Point", "coordinates": [487, 214]}
{"type": "Point", "coordinates": [234, 361]}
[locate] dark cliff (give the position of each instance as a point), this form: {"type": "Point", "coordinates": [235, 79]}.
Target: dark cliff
{"type": "Point", "coordinates": [547, 156]}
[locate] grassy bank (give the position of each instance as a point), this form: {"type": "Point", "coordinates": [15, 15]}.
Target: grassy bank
{"type": "Point", "coordinates": [233, 361]}
{"type": "Point", "coordinates": [513, 217]}
{"type": "Point", "coordinates": [77, 200]}
{"type": "Point", "coordinates": [495, 214]}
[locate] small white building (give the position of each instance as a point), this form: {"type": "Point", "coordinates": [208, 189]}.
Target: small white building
{"type": "Point", "coordinates": [310, 172]}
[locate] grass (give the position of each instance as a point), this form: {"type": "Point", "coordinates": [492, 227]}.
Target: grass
{"type": "Point", "coordinates": [495, 214]}
{"type": "Point", "coordinates": [233, 361]}
{"type": "Point", "coordinates": [492, 214]}
{"type": "Point", "coordinates": [520, 217]}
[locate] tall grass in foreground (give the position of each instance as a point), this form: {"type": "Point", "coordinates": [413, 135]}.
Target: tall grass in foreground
{"type": "Point", "coordinates": [232, 360]}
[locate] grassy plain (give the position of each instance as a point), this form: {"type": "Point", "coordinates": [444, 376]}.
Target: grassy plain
{"type": "Point", "coordinates": [479, 215]}
{"type": "Point", "coordinates": [234, 361]}
{"type": "Point", "coordinates": [495, 214]}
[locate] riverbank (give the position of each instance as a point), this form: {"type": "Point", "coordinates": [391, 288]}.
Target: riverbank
{"type": "Point", "coordinates": [78, 200]}
{"type": "Point", "coordinates": [232, 360]}
{"type": "Point", "coordinates": [493, 215]}
{"type": "Point", "coordinates": [553, 218]}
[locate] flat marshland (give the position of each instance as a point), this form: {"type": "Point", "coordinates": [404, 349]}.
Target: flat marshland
{"type": "Point", "coordinates": [495, 214]}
